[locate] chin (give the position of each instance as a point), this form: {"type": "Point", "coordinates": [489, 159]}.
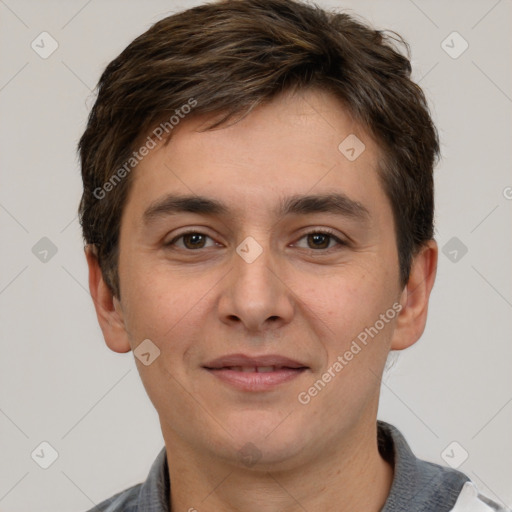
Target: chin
{"type": "Point", "coordinates": [264, 443]}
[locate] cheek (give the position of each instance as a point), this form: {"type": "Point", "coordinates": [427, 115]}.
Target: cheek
{"type": "Point", "coordinates": [159, 305]}
{"type": "Point", "coordinates": [346, 297]}
{"type": "Point", "coordinates": [351, 303]}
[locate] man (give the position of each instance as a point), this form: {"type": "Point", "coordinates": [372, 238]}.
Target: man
{"type": "Point", "coordinates": [258, 214]}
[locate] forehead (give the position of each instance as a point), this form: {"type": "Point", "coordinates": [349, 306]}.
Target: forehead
{"type": "Point", "coordinates": [306, 143]}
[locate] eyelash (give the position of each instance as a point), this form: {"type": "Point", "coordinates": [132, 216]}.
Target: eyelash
{"type": "Point", "coordinates": [324, 231]}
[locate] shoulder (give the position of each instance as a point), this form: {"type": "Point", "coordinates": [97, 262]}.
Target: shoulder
{"type": "Point", "coordinates": [471, 500]}
{"type": "Point", "coordinates": [125, 501]}
{"type": "Point", "coordinates": [424, 486]}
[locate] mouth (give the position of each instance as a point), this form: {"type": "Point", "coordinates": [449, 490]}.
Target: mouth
{"type": "Point", "coordinates": [255, 373]}
{"type": "Point", "coordinates": [255, 369]}
{"type": "Point", "coordinates": [259, 378]}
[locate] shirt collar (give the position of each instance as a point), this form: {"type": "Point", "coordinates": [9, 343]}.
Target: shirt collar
{"type": "Point", "coordinates": [156, 490]}
{"type": "Point", "coordinates": [417, 484]}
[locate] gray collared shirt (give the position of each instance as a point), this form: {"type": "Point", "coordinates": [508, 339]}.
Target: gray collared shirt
{"type": "Point", "coordinates": [418, 486]}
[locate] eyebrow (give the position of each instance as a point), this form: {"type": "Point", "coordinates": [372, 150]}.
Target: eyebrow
{"type": "Point", "coordinates": [335, 203]}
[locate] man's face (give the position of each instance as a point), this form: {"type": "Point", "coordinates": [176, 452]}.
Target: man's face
{"type": "Point", "coordinates": [255, 280]}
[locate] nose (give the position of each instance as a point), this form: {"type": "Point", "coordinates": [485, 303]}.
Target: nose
{"type": "Point", "coordinates": [255, 294]}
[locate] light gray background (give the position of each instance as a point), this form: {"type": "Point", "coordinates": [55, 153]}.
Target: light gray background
{"type": "Point", "coordinates": [60, 383]}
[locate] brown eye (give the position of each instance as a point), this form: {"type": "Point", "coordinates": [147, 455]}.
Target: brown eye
{"type": "Point", "coordinates": [193, 240]}
{"type": "Point", "coordinates": [319, 240]}
{"type": "Point", "coordinates": [190, 241]}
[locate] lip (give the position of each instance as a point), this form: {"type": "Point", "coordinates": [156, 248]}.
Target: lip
{"type": "Point", "coordinates": [255, 381]}
{"type": "Point", "coordinates": [229, 369]}
{"type": "Point", "coordinates": [252, 361]}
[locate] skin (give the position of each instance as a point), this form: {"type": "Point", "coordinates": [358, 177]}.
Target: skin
{"type": "Point", "coordinates": [295, 299]}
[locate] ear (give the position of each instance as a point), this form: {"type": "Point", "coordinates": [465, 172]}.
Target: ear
{"type": "Point", "coordinates": [415, 296]}
{"type": "Point", "coordinates": [108, 308]}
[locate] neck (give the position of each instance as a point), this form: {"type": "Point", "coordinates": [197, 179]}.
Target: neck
{"type": "Point", "coordinates": [351, 476]}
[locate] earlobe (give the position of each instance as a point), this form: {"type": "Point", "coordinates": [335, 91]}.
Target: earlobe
{"type": "Point", "coordinates": [415, 296]}
{"type": "Point", "coordinates": [108, 308]}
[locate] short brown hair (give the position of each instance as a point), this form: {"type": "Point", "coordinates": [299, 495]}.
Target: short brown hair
{"type": "Point", "coordinates": [233, 55]}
